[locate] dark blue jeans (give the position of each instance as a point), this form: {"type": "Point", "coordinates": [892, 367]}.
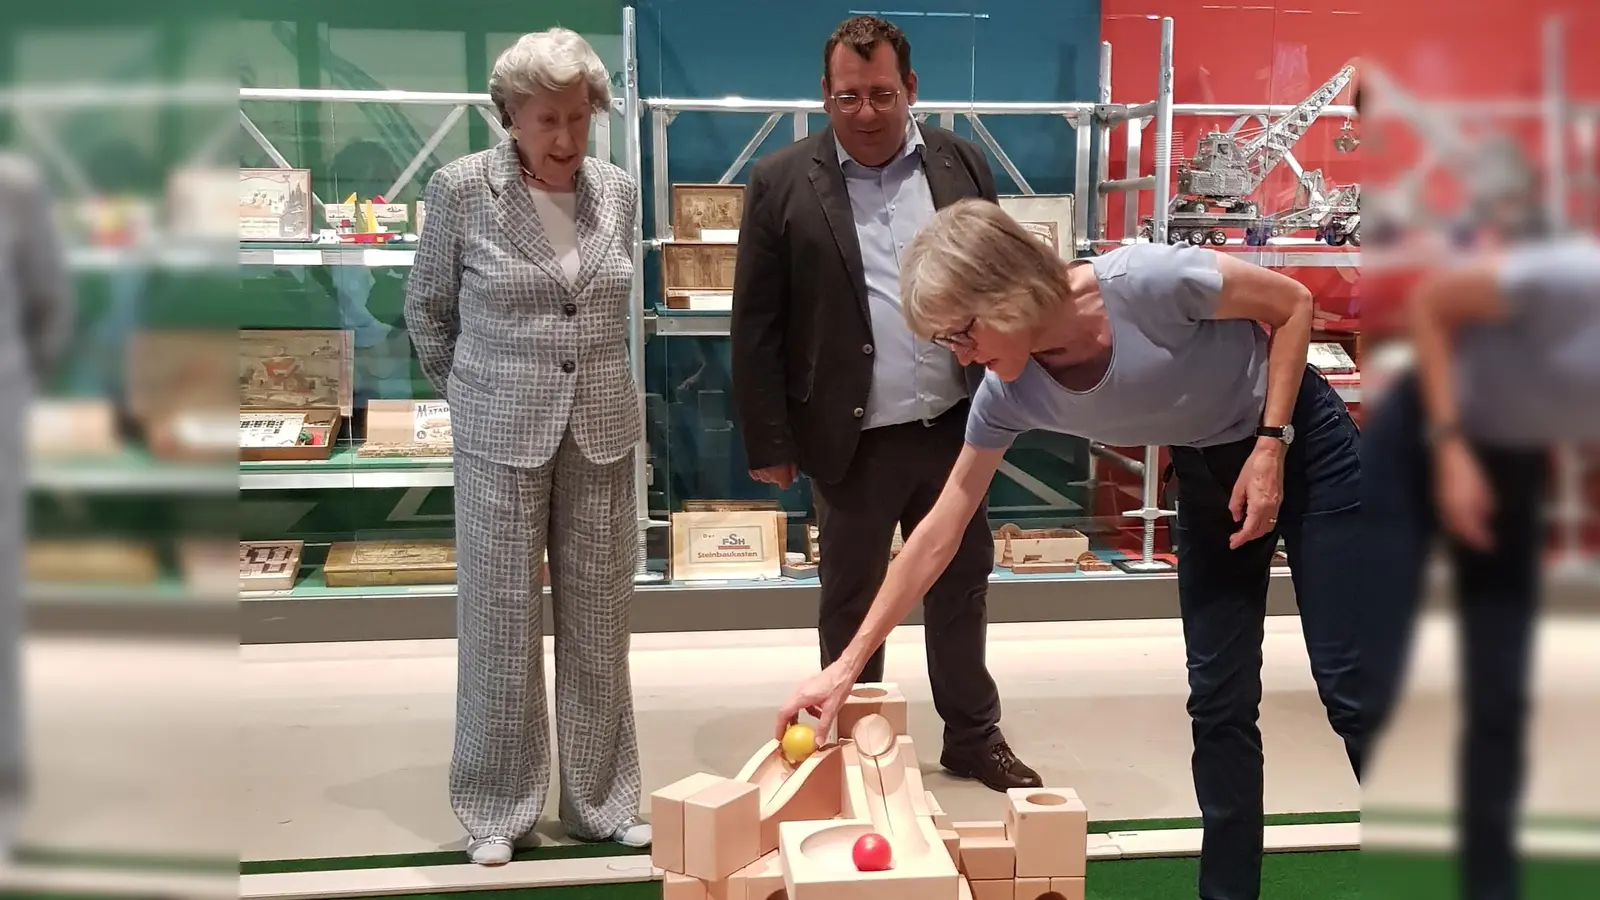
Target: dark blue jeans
{"type": "Point", "coordinates": [1222, 593]}
{"type": "Point", "coordinates": [1497, 598]}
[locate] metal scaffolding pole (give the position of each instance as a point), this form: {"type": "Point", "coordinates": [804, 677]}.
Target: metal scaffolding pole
{"type": "Point", "coordinates": [636, 335]}
{"type": "Point", "coordinates": [1151, 511]}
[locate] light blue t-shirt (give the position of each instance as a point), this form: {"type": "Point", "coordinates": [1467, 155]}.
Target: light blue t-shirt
{"type": "Point", "coordinates": [1533, 378]}
{"type": "Point", "coordinates": [1177, 376]}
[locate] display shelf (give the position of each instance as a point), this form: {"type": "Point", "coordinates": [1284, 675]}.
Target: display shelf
{"type": "Point", "coordinates": [687, 323]}
{"type": "Point", "coordinates": [394, 253]}
{"type": "Point", "coordinates": [1287, 259]}
{"type": "Point", "coordinates": [166, 608]}
{"type": "Point", "coordinates": [345, 469]}
{"type": "Point", "coordinates": [313, 612]}
{"type": "Point", "coordinates": [132, 472]}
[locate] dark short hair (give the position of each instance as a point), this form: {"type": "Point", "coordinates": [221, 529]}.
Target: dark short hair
{"type": "Point", "coordinates": [863, 34]}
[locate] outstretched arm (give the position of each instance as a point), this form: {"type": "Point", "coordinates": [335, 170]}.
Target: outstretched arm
{"type": "Point", "coordinates": [922, 560]}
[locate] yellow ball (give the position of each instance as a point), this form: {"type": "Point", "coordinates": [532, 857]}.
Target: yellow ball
{"type": "Point", "coordinates": [799, 742]}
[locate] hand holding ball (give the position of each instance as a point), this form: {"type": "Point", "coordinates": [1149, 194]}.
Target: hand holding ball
{"type": "Point", "coordinates": [799, 742]}
{"type": "Point", "coordinates": [871, 853]}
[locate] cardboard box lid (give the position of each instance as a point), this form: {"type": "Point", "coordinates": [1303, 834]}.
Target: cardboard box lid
{"type": "Point", "coordinates": [701, 206]}
{"type": "Point", "coordinates": [296, 368]}
{"type": "Point", "coordinates": [695, 266]}
{"type": "Point", "coordinates": [391, 556]}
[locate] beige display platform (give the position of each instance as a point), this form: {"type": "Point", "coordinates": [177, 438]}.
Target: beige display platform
{"type": "Point", "coordinates": [781, 831]}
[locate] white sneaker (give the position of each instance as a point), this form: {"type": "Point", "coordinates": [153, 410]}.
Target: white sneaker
{"type": "Point", "coordinates": [490, 851]}
{"type": "Point", "coordinates": [633, 833]}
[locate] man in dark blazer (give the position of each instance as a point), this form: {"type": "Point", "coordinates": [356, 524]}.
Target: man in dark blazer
{"type": "Point", "coordinates": [829, 381]}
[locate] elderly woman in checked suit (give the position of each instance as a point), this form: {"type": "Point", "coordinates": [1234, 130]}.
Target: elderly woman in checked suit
{"type": "Point", "coordinates": [517, 303]}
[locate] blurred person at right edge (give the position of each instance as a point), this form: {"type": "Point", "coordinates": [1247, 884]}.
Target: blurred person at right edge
{"type": "Point", "coordinates": [36, 314]}
{"type": "Point", "coordinates": [1506, 366]}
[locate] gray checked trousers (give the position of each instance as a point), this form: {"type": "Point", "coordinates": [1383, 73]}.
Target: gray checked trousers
{"type": "Point", "coordinates": [505, 516]}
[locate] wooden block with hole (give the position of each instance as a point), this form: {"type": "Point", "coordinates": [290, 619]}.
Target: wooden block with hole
{"type": "Point", "coordinates": [988, 858]}
{"type": "Point", "coordinates": [721, 829]}
{"type": "Point", "coordinates": [1069, 888]}
{"type": "Point", "coordinates": [992, 889]}
{"type": "Point", "coordinates": [666, 820]}
{"type": "Point", "coordinates": [882, 699]}
{"type": "Point", "coordinates": [1050, 829]}
{"type": "Point", "coordinates": [682, 887]}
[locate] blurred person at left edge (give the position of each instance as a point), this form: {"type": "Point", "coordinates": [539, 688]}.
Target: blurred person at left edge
{"type": "Point", "coordinates": [36, 313]}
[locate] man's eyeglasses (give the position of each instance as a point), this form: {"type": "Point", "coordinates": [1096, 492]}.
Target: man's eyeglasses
{"type": "Point", "coordinates": [850, 104]}
{"type": "Point", "coordinates": [956, 340]}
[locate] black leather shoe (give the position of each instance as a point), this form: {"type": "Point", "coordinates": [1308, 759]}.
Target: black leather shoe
{"type": "Point", "coordinates": [996, 766]}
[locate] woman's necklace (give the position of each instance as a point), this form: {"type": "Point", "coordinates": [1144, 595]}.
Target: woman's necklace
{"type": "Point", "coordinates": [526, 173]}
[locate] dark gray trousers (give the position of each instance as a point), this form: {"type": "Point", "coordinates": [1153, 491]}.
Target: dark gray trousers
{"type": "Point", "coordinates": [894, 479]}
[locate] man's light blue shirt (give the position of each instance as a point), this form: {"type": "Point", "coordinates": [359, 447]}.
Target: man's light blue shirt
{"type": "Point", "coordinates": [912, 379]}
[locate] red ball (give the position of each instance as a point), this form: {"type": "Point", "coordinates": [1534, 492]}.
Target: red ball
{"type": "Point", "coordinates": [871, 853]}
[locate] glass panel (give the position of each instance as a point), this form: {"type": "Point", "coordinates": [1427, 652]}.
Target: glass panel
{"type": "Point", "coordinates": [962, 60]}
{"type": "Point", "coordinates": [362, 145]}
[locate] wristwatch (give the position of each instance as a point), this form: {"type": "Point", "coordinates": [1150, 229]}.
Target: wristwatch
{"type": "Point", "coordinates": [1283, 433]}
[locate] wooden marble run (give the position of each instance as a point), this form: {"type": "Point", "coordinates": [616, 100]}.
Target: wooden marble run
{"type": "Point", "coordinates": [783, 831]}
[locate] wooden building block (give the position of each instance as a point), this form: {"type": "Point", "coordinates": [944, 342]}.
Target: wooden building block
{"type": "Point", "coordinates": [906, 750]}
{"type": "Point", "coordinates": [721, 830]}
{"type": "Point", "coordinates": [1069, 888]}
{"type": "Point", "coordinates": [810, 791]}
{"type": "Point", "coordinates": [988, 858]}
{"type": "Point", "coordinates": [964, 889]}
{"type": "Point", "coordinates": [979, 829]}
{"type": "Point", "coordinates": [817, 863]}
{"type": "Point", "coordinates": [1050, 830]}
{"type": "Point", "coordinates": [952, 846]}
{"type": "Point", "coordinates": [761, 880]}
{"type": "Point", "coordinates": [666, 820]}
{"type": "Point", "coordinates": [993, 890]}
{"type": "Point", "coordinates": [940, 820]}
{"type": "Point", "coordinates": [682, 887]}
{"type": "Point", "coordinates": [882, 699]}
{"type": "Point", "coordinates": [1032, 889]}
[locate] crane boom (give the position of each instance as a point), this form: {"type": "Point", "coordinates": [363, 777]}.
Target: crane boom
{"type": "Point", "coordinates": [1263, 154]}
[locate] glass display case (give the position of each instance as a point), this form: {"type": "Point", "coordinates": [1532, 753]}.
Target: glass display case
{"type": "Point", "coordinates": [343, 120]}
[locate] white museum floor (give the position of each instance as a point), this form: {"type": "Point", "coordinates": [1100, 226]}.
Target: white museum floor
{"type": "Point", "coordinates": [300, 751]}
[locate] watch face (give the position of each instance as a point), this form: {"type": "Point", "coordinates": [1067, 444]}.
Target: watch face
{"type": "Point", "coordinates": [1288, 434]}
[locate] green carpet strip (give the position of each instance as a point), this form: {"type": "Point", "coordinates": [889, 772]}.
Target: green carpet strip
{"type": "Point", "coordinates": [579, 851]}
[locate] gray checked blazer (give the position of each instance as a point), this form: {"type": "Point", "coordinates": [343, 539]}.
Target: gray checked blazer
{"type": "Point", "coordinates": [520, 353]}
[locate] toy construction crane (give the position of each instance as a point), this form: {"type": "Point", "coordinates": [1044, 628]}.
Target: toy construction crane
{"type": "Point", "coordinates": [1228, 167]}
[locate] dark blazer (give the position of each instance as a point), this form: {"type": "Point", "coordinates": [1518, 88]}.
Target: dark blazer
{"type": "Point", "coordinates": [802, 334]}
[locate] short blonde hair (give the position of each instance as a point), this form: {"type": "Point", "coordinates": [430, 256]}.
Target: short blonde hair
{"type": "Point", "coordinates": [552, 60]}
{"type": "Point", "coordinates": [973, 262]}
